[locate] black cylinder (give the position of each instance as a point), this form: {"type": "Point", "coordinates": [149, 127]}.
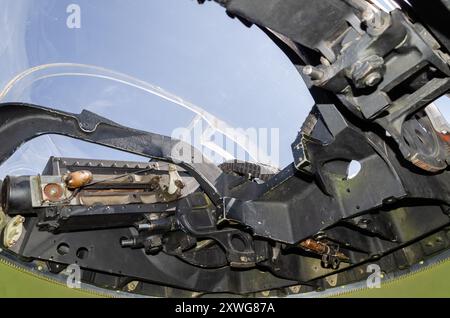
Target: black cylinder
{"type": "Point", "coordinates": [16, 195]}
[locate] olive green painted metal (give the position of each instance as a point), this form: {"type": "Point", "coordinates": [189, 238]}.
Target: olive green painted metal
{"type": "Point", "coordinates": [432, 281]}
{"type": "Point", "coordinates": [19, 282]}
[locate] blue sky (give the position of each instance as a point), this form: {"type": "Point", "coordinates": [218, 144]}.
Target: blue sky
{"type": "Point", "coordinates": [194, 51]}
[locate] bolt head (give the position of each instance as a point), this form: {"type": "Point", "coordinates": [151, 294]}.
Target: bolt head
{"type": "Point", "coordinates": [368, 15]}
{"type": "Point", "coordinates": [307, 70]}
{"type": "Point", "coordinates": [372, 79]}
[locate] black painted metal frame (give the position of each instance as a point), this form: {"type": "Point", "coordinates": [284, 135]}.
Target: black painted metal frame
{"type": "Point", "coordinates": [381, 215]}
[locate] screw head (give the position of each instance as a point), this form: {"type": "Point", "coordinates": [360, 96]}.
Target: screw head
{"type": "Point", "coordinates": [131, 286]}
{"type": "Point", "coordinates": [295, 289]}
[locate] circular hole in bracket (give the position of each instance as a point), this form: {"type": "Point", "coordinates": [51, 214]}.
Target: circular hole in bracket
{"type": "Point", "coordinates": [238, 243]}
{"type": "Point", "coordinates": [63, 249]}
{"type": "Point", "coordinates": [82, 253]}
{"type": "Point", "coordinates": [354, 167]}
